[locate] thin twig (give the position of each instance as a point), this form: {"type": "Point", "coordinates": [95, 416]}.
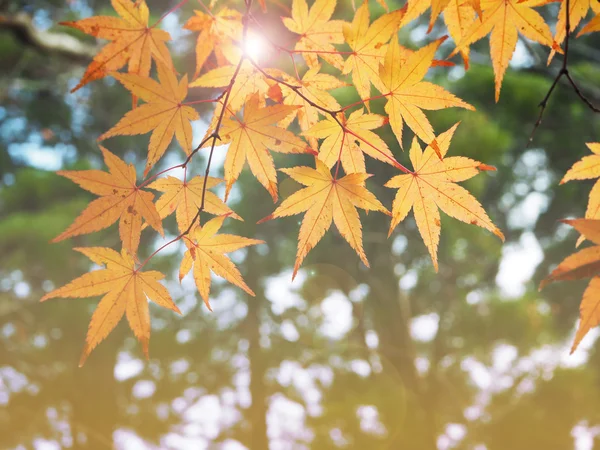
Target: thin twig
{"type": "Point", "coordinates": [564, 71]}
{"type": "Point", "coordinates": [330, 112]}
{"type": "Point", "coordinates": [214, 136]}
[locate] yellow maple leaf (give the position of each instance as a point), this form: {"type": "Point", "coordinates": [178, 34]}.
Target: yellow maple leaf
{"type": "Point", "coordinates": [164, 113]}
{"type": "Point", "coordinates": [432, 185]}
{"type": "Point", "coordinates": [408, 95]}
{"type": "Point", "coordinates": [593, 25]}
{"type": "Point", "coordinates": [249, 139]}
{"type": "Point", "coordinates": [578, 9]}
{"type": "Point", "coordinates": [583, 264]}
{"type": "Point", "coordinates": [348, 144]}
{"type": "Point", "coordinates": [368, 46]}
{"type": "Point", "coordinates": [314, 86]}
{"type": "Point", "coordinates": [218, 33]}
{"type": "Point", "coordinates": [185, 197]}
{"type": "Point", "coordinates": [249, 80]}
{"type": "Point", "coordinates": [588, 168]}
{"type": "Point", "coordinates": [458, 16]}
{"type": "Point", "coordinates": [326, 199]}
{"type": "Point", "coordinates": [132, 41]}
{"type": "Point", "coordinates": [504, 20]}
{"type": "Point", "coordinates": [414, 8]}
{"type": "Point", "coordinates": [317, 32]}
{"type": "Point", "coordinates": [127, 291]}
{"type": "Point", "coordinates": [206, 252]}
{"type": "Point", "coordinates": [119, 198]}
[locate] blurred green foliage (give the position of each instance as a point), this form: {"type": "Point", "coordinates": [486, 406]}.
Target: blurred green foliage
{"type": "Point", "coordinates": [391, 357]}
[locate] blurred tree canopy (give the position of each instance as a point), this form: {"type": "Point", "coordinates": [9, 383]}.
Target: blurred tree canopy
{"type": "Point", "coordinates": [391, 357]}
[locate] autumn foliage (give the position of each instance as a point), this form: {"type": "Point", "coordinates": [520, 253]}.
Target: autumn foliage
{"type": "Point", "coordinates": [259, 108]}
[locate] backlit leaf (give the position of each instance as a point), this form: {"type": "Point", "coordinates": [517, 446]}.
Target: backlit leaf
{"type": "Point", "coordinates": [163, 113]}
{"type": "Point", "coordinates": [206, 252]}
{"type": "Point", "coordinates": [432, 185]}
{"type": "Point", "coordinates": [132, 41]}
{"type": "Point", "coordinates": [126, 291]}
{"type": "Point", "coordinates": [120, 198]}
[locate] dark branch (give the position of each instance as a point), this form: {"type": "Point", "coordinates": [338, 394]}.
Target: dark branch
{"type": "Point", "coordinates": [564, 71]}
{"type": "Point", "coordinates": [52, 43]}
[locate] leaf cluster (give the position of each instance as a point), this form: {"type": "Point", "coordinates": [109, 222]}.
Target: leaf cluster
{"type": "Point", "coordinates": [258, 109]}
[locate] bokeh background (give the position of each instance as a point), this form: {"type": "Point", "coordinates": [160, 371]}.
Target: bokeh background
{"type": "Point", "coordinates": [391, 357]}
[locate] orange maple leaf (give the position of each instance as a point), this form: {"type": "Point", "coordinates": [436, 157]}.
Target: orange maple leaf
{"type": "Point", "coordinates": [409, 95]}
{"type": "Point", "coordinates": [348, 144]}
{"type": "Point", "coordinates": [250, 138]}
{"type": "Point", "coordinates": [206, 252]}
{"type": "Point", "coordinates": [119, 198]}
{"type": "Point", "coordinates": [583, 264]}
{"type": "Point", "coordinates": [131, 41]}
{"type": "Point", "coordinates": [163, 113]}
{"type": "Point", "coordinates": [218, 33]}
{"type": "Point", "coordinates": [432, 185]}
{"type": "Point", "coordinates": [593, 25]}
{"type": "Point", "coordinates": [326, 199]}
{"type": "Point", "coordinates": [368, 46]}
{"type": "Point", "coordinates": [317, 32]}
{"type": "Point", "coordinates": [186, 198]}
{"type": "Point", "coordinates": [127, 291]}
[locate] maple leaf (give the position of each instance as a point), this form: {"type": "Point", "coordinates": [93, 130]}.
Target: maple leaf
{"type": "Point", "coordinates": [342, 143]}
{"type": "Point", "coordinates": [583, 264]}
{"type": "Point", "coordinates": [414, 8]}
{"type": "Point", "coordinates": [314, 87]}
{"type": "Point", "coordinates": [163, 113]}
{"type": "Point", "coordinates": [127, 291]}
{"type": "Point", "coordinates": [592, 26]}
{"type": "Point", "coordinates": [368, 45]}
{"type": "Point", "coordinates": [218, 33]}
{"type": "Point", "coordinates": [326, 199]}
{"type": "Point", "coordinates": [578, 9]}
{"type": "Point", "coordinates": [186, 198]}
{"type": "Point", "coordinates": [503, 20]}
{"type": "Point", "coordinates": [458, 16]}
{"type": "Point", "coordinates": [409, 95]}
{"type": "Point", "coordinates": [249, 80]}
{"type": "Point", "coordinates": [250, 138]}
{"type": "Point", "coordinates": [587, 168]}
{"type": "Point", "coordinates": [119, 198]}
{"type": "Point", "coordinates": [132, 41]}
{"type": "Point", "coordinates": [317, 32]}
{"type": "Point", "coordinates": [432, 185]}
{"type": "Point", "coordinates": [206, 252]}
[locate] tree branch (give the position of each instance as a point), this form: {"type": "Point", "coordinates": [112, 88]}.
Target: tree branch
{"type": "Point", "coordinates": [52, 43]}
